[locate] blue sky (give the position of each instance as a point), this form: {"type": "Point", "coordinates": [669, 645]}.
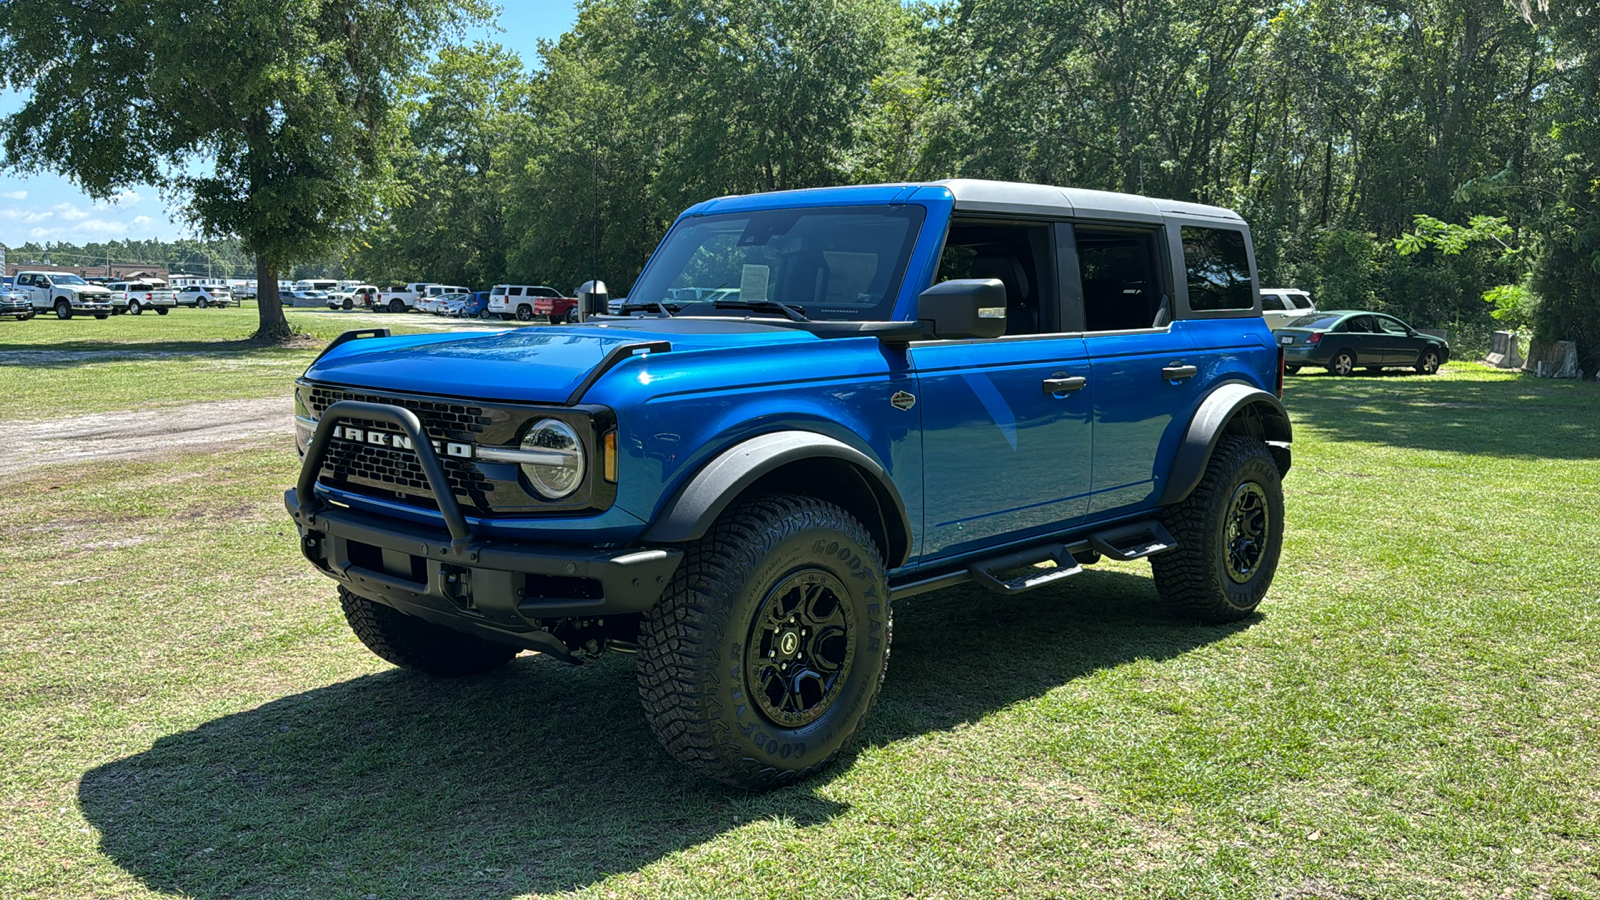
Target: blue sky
{"type": "Point", "coordinates": [49, 208]}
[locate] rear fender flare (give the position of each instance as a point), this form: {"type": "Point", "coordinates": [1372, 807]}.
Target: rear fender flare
{"type": "Point", "coordinates": [692, 510]}
{"type": "Point", "coordinates": [1233, 408]}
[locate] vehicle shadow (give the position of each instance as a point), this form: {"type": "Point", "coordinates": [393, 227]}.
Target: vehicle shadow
{"type": "Point", "coordinates": [542, 778]}
{"type": "Point", "coordinates": [1525, 417]}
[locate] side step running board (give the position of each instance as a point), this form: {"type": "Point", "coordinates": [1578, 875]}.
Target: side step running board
{"type": "Point", "coordinates": [984, 572]}
{"type": "Point", "coordinates": [1131, 542]}
{"type": "Point", "coordinates": [1135, 540]}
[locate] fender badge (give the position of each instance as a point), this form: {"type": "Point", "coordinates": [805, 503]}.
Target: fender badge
{"type": "Point", "coordinates": [903, 400]}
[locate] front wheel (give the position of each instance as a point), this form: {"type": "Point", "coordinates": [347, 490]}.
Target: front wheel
{"type": "Point", "coordinates": [63, 309]}
{"type": "Point", "coordinates": [135, 309]}
{"type": "Point", "coordinates": [763, 658]}
{"type": "Point", "coordinates": [1343, 363]}
{"type": "Point", "coordinates": [1229, 533]}
{"type": "Point", "coordinates": [411, 643]}
{"type": "Point", "coordinates": [1428, 363]}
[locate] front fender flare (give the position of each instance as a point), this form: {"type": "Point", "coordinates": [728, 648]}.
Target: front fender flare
{"type": "Point", "coordinates": [1265, 419]}
{"type": "Point", "coordinates": [691, 512]}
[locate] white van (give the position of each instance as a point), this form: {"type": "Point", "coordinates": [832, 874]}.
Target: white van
{"type": "Point", "coordinates": [317, 284]}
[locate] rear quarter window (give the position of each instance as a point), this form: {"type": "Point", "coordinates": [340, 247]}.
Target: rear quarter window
{"type": "Point", "coordinates": [1218, 269]}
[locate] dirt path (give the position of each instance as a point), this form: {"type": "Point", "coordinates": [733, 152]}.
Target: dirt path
{"type": "Point", "coordinates": [134, 434]}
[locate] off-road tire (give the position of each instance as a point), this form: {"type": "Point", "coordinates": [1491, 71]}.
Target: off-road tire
{"type": "Point", "coordinates": [699, 690]}
{"type": "Point", "coordinates": [1343, 364]}
{"type": "Point", "coordinates": [412, 643]}
{"type": "Point", "coordinates": [1195, 578]}
{"type": "Point", "coordinates": [63, 309]}
{"type": "Point", "coordinates": [1428, 362]}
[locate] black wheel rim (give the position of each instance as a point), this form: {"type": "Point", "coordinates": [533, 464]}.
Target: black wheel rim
{"type": "Point", "coordinates": [800, 649]}
{"type": "Point", "coordinates": [1244, 539]}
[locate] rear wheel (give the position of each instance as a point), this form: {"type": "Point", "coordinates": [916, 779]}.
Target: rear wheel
{"type": "Point", "coordinates": [1343, 363]}
{"type": "Point", "coordinates": [63, 309]}
{"type": "Point", "coordinates": [161, 310]}
{"type": "Point", "coordinates": [763, 658]}
{"type": "Point", "coordinates": [1428, 363]}
{"type": "Point", "coordinates": [411, 643]}
{"type": "Point", "coordinates": [202, 303]}
{"type": "Point", "coordinates": [1229, 532]}
{"type": "Point", "coordinates": [524, 313]}
{"type": "Point", "coordinates": [397, 305]}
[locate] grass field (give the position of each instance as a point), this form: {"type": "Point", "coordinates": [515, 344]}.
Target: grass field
{"type": "Point", "coordinates": [89, 365]}
{"type": "Point", "coordinates": [1412, 714]}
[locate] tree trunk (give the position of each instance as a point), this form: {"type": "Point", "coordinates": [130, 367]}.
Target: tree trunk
{"type": "Point", "coordinates": [274, 328]}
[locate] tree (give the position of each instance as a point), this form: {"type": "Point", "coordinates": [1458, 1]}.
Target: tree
{"type": "Point", "coordinates": [272, 121]}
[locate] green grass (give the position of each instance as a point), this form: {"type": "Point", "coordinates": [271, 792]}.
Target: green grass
{"type": "Point", "coordinates": [1413, 714]}
{"type": "Point", "coordinates": [80, 365]}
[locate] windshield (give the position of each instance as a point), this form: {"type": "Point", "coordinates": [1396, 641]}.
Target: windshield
{"type": "Point", "coordinates": [841, 264]}
{"type": "Point", "coordinates": [62, 278]}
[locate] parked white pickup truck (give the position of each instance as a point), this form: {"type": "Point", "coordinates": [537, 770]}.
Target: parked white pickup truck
{"type": "Point", "coordinates": [134, 297]}
{"type": "Point", "coordinates": [399, 300]}
{"type": "Point", "coordinates": [65, 293]}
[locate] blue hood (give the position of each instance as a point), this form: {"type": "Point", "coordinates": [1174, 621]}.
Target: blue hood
{"type": "Point", "coordinates": [528, 365]}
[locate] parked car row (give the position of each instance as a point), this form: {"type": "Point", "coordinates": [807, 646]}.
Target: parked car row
{"type": "Point", "coordinates": [1343, 340]}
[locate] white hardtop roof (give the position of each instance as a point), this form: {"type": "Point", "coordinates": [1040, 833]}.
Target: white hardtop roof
{"type": "Point", "coordinates": [1013, 197]}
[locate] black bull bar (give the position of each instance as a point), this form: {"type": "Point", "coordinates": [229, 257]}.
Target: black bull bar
{"type": "Point", "coordinates": [497, 589]}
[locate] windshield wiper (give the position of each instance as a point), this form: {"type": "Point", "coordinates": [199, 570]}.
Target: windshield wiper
{"type": "Point", "coordinates": [795, 315]}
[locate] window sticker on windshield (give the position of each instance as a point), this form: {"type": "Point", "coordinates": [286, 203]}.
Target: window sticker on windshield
{"type": "Point", "coordinates": [753, 286]}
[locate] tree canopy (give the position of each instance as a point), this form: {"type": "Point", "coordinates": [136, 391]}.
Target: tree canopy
{"type": "Point", "coordinates": [272, 121]}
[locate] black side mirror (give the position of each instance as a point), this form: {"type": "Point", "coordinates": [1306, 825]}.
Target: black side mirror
{"type": "Point", "coordinates": [964, 308]}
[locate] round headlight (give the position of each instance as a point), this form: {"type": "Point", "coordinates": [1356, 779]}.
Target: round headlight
{"type": "Point", "coordinates": [560, 470]}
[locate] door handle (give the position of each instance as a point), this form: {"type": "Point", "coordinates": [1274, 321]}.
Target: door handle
{"type": "Point", "coordinates": [1177, 372]}
{"type": "Point", "coordinates": [1064, 385]}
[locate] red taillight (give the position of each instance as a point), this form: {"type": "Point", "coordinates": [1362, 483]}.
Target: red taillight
{"type": "Point", "coordinates": [148, 297]}
{"type": "Point", "coordinates": [1315, 338]}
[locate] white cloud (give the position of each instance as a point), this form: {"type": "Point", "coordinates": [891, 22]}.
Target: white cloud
{"type": "Point", "coordinates": [100, 227]}
{"type": "Point", "coordinates": [25, 216]}
{"type": "Point", "coordinates": [15, 195]}
{"type": "Point", "coordinates": [141, 221]}
{"type": "Point", "coordinates": [69, 213]}
{"type": "Point", "coordinates": [125, 198]}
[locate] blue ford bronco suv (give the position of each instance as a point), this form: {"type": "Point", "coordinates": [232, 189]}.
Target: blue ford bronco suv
{"type": "Point", "coordinates": [824, 401]}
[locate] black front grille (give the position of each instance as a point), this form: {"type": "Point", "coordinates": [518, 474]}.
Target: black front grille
{"type": "Point", "coordinates": [389, 472]}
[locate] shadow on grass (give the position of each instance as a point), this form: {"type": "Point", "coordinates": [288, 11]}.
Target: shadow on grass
{"type": "Point", "coordinates": [1525, 417]}
{"type": "Point", "coordinates": [66, 354]}
{"type": "Point", "coordinates": [542, 778]}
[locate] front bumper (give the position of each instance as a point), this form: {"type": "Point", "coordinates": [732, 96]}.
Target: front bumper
{"type": "Point", "coordinates": [504, 590]}
{"type": "Point", "coordinates": [505, 585]}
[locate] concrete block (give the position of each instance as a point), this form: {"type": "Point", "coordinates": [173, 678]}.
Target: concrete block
{"type": "Point", "coordinates": [1503, 353]}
